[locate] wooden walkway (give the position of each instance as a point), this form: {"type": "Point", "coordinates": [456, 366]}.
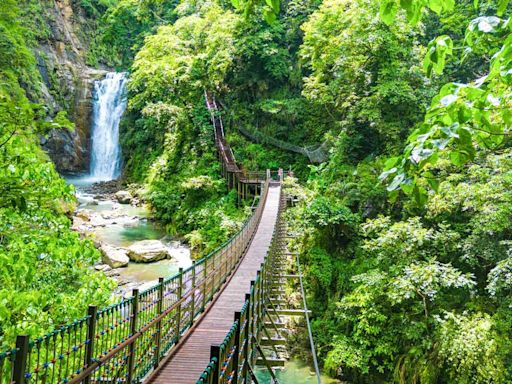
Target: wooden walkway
{"type": "Point", "coordinates": [190, 359]}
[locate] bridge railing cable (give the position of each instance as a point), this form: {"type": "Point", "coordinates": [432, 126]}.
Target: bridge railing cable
{"type": "Point", "coordinates": [127, 341]}
{"type": "Point", "coordinates": [233, 361]}
{"type": "Point", "coordinates": [308, 323]}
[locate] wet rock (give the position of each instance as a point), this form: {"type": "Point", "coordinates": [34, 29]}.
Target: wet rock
{"type": "Point", "coordinates": [147, 251]}
{"type": "Point", "coordinates": [114, 257]}
{"type": "Point", "coordinates": [83, 215]}
{"type": "Point", "coordinates": [97, 221]}
{"type": "Point", "coordinates": [87, 200]}
{"type": "Point", "coordinates": [109, 215]}
{"type": "Point", "coordinates": [124, 197]}
{"type": "Point", "coordinates": [102, 267]}
{"type": "Point", "coordinates": [112, 273]}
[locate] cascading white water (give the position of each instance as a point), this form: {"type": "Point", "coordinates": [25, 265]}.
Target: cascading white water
{"type": "Point", "coordinates": [109, 106]}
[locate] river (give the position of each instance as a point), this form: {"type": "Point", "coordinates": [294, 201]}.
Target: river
{"type": "Point", "coordinates": [295, 371]}
{"type": "Point", "coordinates": [99, 214]}
{"type": "Point", "coordinates": [108, 222]}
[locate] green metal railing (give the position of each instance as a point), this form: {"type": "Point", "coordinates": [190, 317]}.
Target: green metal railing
{"type": "Point", "coordinates": [234, 359]}
{"type": "Point", "coordinates": [126, 341]}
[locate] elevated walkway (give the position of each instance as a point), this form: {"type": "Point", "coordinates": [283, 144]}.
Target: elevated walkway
{"type": "Point", "coordinates": [190, 358]}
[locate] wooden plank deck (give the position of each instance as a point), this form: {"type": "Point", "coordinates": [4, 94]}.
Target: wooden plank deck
{"type": "Point", "coordinates": [192, 357]}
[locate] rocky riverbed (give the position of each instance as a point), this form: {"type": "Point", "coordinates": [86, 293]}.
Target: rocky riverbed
{"type": "Point", "coordinates": [135, 249]}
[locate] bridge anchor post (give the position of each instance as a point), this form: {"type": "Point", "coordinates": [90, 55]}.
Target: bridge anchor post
{"type": "Point", "coordinates": [133, 330]}
{"type": "Point", "coordinates": [158, 335]}
{"type": "Point", "coordinates": [91, 336]}
{"type": "Point", "coordinates": [20, 362]}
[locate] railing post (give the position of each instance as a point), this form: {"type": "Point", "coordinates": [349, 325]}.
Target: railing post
{"type": "Point", "coordinates": [251, 323]}
{"type": "Point", "coordinates": [247, 337]}
{"type": "Point", "coordinates": [229, 265]}
{"type": "Point", "coordinates": [159, 309]}
{"type": "Point", "coordinates": [214, 273]}
{"type": "Point", "coordinates": [91, 336]}
{"type": "Point", "coordinates": [215, 352]}
{"type": "Point", "coordinates": [225, 261]}
{"type": "Point", "coordinates": [237, 240]}
{"type": "Point", "coordinates": [258, 303]}
{"type": "Point", "coordinates": [178, 315]}
{"type": "Point", "coordinates": [20, 362]}
{"type": "Point", "coordinates": [133, 330]}
{"type": "Point", "coordinates": [281, 174]}
{"type": "Point", "coordinates": [236, 362]}
{"type": "Point", "coordinates": [221, 265]}
{"type": "Point", "coordinates": [268, 174]}
{"type": "Point", "coordinates": [232, 251]}
{"type": "Point", "coordinates": [238, 192]}
{"type": "Point", "coordinates": [193, 298]}
{"type": "Point", "coordinates": [205, 283]}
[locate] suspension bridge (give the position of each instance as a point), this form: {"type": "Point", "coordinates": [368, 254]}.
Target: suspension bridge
{"type": "Point", "coordinates": [211, 323]}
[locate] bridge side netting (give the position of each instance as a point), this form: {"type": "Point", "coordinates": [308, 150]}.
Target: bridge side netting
{"type": "Point", "coordinates": [315, 154]}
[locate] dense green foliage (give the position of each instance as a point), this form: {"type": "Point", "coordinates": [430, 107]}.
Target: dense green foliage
{"type": "Point", "coordinates": [45, 275]}
{"type": "Point", "coordinates": [364, 74]}
{"type": "Point", "coordinates": [463, 118]}
{"type": "Point", "coordinates": [413, 288]}
{"type": "Point", "coordinates": [405, 230]}
{"type": "Point", "coordinates": [401, 291]}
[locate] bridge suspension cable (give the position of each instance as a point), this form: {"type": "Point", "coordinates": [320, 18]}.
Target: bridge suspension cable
{"type": "Point", "coordinates": [308, 323]}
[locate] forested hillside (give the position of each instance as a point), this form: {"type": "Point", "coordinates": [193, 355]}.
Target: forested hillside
{"type": "Point", "coordinates": [404, 226]}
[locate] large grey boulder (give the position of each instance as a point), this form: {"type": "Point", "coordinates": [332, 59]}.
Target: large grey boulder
{"type": "Point", "coordinates": [114, 257]}
{"type": "Point", "coordinates": [124, 197]}
{"type": "Point", "coordinates": [147, 251]}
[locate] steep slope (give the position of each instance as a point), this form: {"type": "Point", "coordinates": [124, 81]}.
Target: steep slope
{"type": "Point", "coordinates": [63, 35]}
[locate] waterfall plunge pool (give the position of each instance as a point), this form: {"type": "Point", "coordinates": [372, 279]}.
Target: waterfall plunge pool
{"type": "Point", "coordinates": [121, 225]}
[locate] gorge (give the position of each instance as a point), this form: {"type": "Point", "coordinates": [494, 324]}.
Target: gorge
{"type": "Point", "coordinates": [401, 218]}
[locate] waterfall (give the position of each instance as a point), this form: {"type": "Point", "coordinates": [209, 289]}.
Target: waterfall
{"type": "Point", "coordinates": [109, 106]}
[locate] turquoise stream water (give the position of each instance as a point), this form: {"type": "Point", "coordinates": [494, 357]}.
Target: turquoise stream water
{"type": "Point", "coordinates": [294, 372]}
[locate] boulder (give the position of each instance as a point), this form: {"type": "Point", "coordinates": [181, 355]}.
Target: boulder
{"type": "Point", "coordinates": [124, 197]}
{"type": "Point", "coordinates": [86, 200]}
{"type": "Point", "coordinates": [114, 257]}
{"type": "Point", "coordinates": [84, 215]}
{"type": "Point", "coordinates": [147, 251]}
{"type": "Point", "coordinates": [102, 267]}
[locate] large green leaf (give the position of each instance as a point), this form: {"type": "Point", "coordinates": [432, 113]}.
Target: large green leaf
{"type": "Point", "coordinates": [388, 11]}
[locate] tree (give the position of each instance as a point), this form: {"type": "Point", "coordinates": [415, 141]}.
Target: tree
{"type": "Point", "coordinates": [463, 118]}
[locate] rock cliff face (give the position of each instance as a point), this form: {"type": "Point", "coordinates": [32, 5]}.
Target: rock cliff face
{"type": "Point", "coordinates": [68, 84]}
